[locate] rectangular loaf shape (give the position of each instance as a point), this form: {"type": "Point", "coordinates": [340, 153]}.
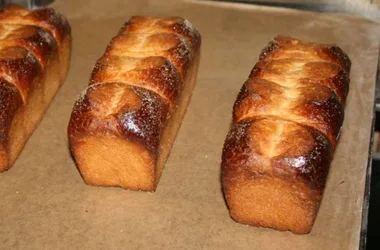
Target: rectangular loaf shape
{"type": "Point", "coordinates": [286, 123]}
{"type": "Point", "coordinates": [124, 124]}
{"type": "Point", "coordinates": [35, 51]}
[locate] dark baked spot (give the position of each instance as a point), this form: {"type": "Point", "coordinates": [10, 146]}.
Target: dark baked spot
{"type": "Point", "coordinates": [146, 123]}
{"type": "Point", "coordinates": [10, 102]}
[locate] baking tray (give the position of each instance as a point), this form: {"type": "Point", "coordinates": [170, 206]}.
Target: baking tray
{"type": "Point", "coordinates": [46, 205]}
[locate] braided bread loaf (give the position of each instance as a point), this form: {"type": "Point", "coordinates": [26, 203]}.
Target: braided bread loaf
{"type": "Point", "coordinates": [124, 124]}
{"type": "Point", "coordinates": [286, 122]}
{"type": "Point", "coordinates": [34, 60]}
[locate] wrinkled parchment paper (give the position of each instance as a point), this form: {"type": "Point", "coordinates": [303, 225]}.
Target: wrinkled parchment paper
{"type": "Point", "coordinates": [46, 205]}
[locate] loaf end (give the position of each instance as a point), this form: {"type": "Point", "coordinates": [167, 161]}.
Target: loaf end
{"type": "Point", "coordinates": [103, 161]}
{"type": "Point", "coordinates": [274, 172]}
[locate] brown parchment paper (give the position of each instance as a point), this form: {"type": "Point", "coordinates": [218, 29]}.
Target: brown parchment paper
{"type": "Point", "coordinates": [46, 205]}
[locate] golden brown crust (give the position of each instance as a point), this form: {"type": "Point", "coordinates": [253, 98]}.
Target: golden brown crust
{"type": "Point", "coordinates": [170, 46]}
{"type": "Point", "coordinates": [286, 121]}
{"type": "Point", "coordinates": [304, 72]}
{"type": "Point", "coordinates": [313, 105]}
{"type": "Point", "coordinates": [139, 116]}
{"type": "Point", "coordinates": [283, 47]}
{"type": "Point", "coordinates": [139, 90]}
{"type": "Point", "coordinates": [46, 18]}
{"type": "Point", "coordinates": [154, 73]}
{"type": "Point", "coordinates": [173, 25]}
{"type": "Point", "coordinates": [301, 152]}
{"type": "Point", "coordinates": [34, 59]}
{"type": "Point", "coordinates": [36, 40]}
